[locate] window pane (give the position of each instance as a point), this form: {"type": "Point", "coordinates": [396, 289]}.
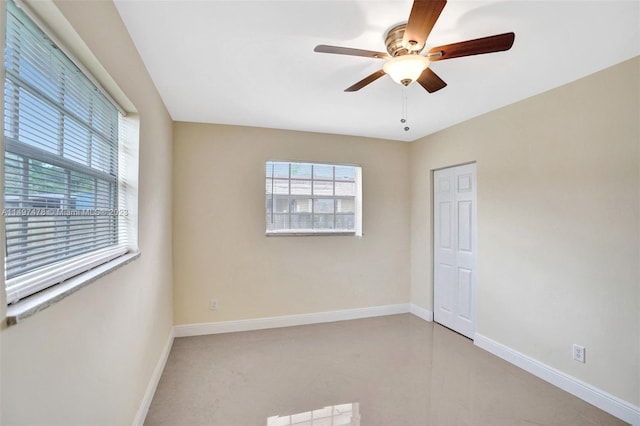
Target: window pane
{"type": "Point", "coordinates": [76, 141]}
{"type": "Point", "coordinates": [345, 173]}
{"type": "Point", "coordinates": [345, 205]}
{"type": "Point", "coordinates": [301, 221]}
{"type": "Point", "coordinates": [345, 221]}
{"type": "Point", "coordinates": [346, 188]}
{"type": "Point", "coordinates": [38, 68]}
{"type": "Point", "coordinates": [323, 221]}
{"type": "Point", "coordinates": [322, 171]}
{"type": "Point", "coordinates": [269, 206]}
{"type": "Point", "coordinates": [75, 101]}
{"type": "Point", "coordinates": [322, 188]}
{"type": "Point", "coordinates": [280, 186]}
{"type": "Point", "coordinates": [280, 205]}
{"type": "Point", "coordinates": [83, 191]}
{"type": "Point", "coordinates": [300, 171]}
{"type": "Point", "coordinates": [105, 196]}
{"type": "Point", "coordinates": [301, 205]}
{"type": "Point", "coordinates": [10, 121]}
{"type": "Point", "coordinates": [301, 187]}
{"type": "Point", "coordinates": [323, 205]}
{"type": "Point", "coordinates": [281, 170]}
{"type": "Point", "coordinates": [103, 121]}
{"type": "Point", "coordinates": [278, 221]}
{"type": "Point", "coordinates": [38, 123]}
{"type": "Point", "coordinates": [13, 168]}
{"type": "Point", "coordinates": [268, 184]}
{"type": "Point", "coordinates": [103, 157]}
{"type": "Point", "coordinates": [46, 180]}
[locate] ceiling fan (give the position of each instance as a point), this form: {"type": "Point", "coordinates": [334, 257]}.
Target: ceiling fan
{"type": "Point", "coordinates": [404, 43]}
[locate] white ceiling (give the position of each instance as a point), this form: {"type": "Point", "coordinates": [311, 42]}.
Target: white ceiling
{"type": "Point", "coordinates": [252, 62]}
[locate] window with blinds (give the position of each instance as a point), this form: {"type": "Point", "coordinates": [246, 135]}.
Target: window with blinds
{"type": "Point", "coordinates": [312, 198]}
{"type": "Point", "coordinates": [62, 193]}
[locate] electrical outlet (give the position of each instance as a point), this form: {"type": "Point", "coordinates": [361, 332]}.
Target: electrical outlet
{"type": "Point", "coordinates": [213, 304]}
{"type": "Point", "coordinates": [579, 353]}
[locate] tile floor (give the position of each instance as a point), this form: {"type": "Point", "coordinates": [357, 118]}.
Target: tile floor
{"type": "Point", "coordinates": [395, 370]}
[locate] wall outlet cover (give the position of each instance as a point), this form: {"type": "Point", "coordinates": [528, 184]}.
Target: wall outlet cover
{"type": "Point", "coordinates": [579, 353]}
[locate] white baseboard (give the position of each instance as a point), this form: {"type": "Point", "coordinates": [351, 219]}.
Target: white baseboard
{"type": "Point", "coordinates": [153, 382]}
{"type": "Point", "coordinates": [605, 401]}
{"type": "Point", "coordinates": [287, 320]}
{"type": "Point", "coordinates": [421, 312]}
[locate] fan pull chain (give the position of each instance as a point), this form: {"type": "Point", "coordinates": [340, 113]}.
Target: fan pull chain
{"type": "Point", "coordinates": [403, 120]}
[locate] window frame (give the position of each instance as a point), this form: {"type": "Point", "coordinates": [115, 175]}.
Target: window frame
{"type": "Point", "coordinates": [357, 199]}
{"type": "Point", "coordinates": [67, 276]}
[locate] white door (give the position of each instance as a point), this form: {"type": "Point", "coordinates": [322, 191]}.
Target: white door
{"type": "Point", "coordinates": [454, 213]}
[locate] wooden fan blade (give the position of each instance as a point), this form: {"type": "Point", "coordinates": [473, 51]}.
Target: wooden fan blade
{"type": "Point", "coordinates": [323, 48]}
{"type": "Point", "coordinates": [430, 81]}
{"type": "Point", "coordinates": [367, 80]}
{"type": "Point", "coordinates": [496, 43]}
{"type": "Point", "coordinates": [423, 17]}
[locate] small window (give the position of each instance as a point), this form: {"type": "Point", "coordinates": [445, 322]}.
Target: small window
{"type": "Point", "coordinates": [65, 208]}
{"type": "Point", "coordinates": [311, 198]}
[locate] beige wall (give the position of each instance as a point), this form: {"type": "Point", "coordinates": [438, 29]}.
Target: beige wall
{"type": "Point", "coordinates": [89, 358]}
{"type": "Point", "coordinates": [558, 224]}
{"type": "Point", "coordinates": [220, 247]}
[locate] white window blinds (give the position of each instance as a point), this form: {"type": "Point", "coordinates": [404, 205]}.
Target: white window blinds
{"type": "Point", "coordinates": [62, 192]}
{"type": "Point", "coordinates": [312, 198]}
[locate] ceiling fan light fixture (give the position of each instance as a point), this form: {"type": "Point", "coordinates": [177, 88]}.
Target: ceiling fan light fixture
{"type": "Point", "coordinates": [406, 69]}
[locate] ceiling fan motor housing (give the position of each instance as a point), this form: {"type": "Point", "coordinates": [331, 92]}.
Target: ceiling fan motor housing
{"type": "Point", "coordinates": [394, 44]}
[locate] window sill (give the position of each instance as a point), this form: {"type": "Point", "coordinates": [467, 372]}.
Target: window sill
{"type": "Point", "coordinates": [29, 306]}
{"type": "Point", "coordinates": [309, 234]}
